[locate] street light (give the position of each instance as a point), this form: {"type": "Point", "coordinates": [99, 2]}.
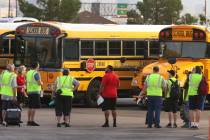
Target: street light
{"type": "Point", "coordinates": [206, 11]}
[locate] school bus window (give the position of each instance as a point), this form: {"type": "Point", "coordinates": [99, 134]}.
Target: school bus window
{"type": "Point", "coordinates": [128, 48]}
{"type": "Point", "coordinates": [12, 48]}
{"type": "Point", "coordinates": [208, 51]}
{"type": "Point", "coordinates": [194, 49]}
{"type": "Point", "coordinates": [115, 48]}
{"type": "Point", "coordinates": [100, 48]}
{"type": "Point", "coordinates": [140, 47]}
{"type": "Point", "coordinates": [87, 48]}
{"type": "Point", "coordinates": [154, 48]}
{"type": "Point", "coordinates": [71, 49]}
{"type": "Point", "coordinates": [5, 46]}
{"type": "Point", "coordinates": [172, 49]}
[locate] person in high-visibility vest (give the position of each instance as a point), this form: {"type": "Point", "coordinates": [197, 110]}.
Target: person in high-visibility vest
{"type": "Point", "coordinates": [33, 86]}
{"type": "Point", "coordinates": [8, 89]}
{"type": "Point", "coordinates": [194, 104]}
{"type": "Point", "coordinates": [154, 86]}
{"type": "Point", "coordinates": [65, 86]}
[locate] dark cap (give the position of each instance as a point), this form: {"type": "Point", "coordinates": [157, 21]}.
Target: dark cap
{"type": "Point", "coordinates": [172, 72]}
{"type": "Point", "coordinates": [65, 71]}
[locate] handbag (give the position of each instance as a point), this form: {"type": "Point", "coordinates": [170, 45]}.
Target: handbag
{"type": "Point", "coordinates": [59, 91]}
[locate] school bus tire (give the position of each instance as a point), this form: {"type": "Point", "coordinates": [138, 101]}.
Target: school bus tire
{"type": "Point", "coordinates": [92, 93]}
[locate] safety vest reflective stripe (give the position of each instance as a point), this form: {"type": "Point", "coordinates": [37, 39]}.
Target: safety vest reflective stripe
{"type": "Point", "coordinates": [154, 85]}
{"type": "Point", "coordinates": [32, 84]}
{"type": "Point", "coordinates": [194, 81]}
{"type": "Point", "coordinates": [65, 83]}
{"type": "Point", "coordinates": [6, 83]}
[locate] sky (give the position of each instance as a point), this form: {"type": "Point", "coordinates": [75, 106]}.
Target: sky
{"type": "Point", "coordinates": [194, 7]}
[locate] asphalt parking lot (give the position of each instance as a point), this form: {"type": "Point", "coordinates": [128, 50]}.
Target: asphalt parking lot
{"type": "Point", "coordinates": [86, 122]}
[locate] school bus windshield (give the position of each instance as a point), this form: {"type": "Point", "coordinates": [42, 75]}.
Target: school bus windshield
{"type": "Point", "coordinates": [185, 49]}
{"type": "Point", "coordinates": [40, 49]}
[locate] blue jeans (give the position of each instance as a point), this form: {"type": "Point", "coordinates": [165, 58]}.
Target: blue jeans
{"type": "Point", "coordinates": [154, 107]}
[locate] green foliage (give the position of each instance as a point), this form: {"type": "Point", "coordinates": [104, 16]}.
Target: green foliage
{"type": "Point", "coordinates": [202, 19]}
{"type": "Point", "coordinates": [188, 19]}
{"type": "Point", "coordinates": [134, 17]}
{"type": "Point", "coordinates": [160, 11]}
{"type": "Point", "coordinates": [55, 10]}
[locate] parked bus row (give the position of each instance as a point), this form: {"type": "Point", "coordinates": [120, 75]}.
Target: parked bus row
{"type": "Point", "coordinates": [86, 50]}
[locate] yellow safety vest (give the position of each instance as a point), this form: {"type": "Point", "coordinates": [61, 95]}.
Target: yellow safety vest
{"type": "Point", "coordinates": [32, 84]}
{"type": "Point", "coordinates": [194, 81]}
{"type": "Point", "coordinates": [169, 86]}
{"type": "Point", "coordinates": [6, 83]}
{"type": "Point", "coordinates": [65, 83]}
{"type": "Point", "coordinates": [154, 85]}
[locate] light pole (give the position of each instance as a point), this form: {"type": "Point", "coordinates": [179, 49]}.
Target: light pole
{"type": "Point", "coordinates": [9, 9]}
{"type": "Point", "coordinates": [206, 11]}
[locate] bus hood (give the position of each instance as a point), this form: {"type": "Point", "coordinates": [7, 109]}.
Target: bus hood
{"type": "Point", "coordinates": [182, 67]}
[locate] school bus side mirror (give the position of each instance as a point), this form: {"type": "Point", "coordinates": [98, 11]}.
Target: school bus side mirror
{"type": "Point", "coordinates": [172, 60]}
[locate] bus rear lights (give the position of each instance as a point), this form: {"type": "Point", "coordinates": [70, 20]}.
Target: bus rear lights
{"type": "Point", "coordinates": [201, 35]}
{"type": "Point", "coordinates": [162, 34]}
{"type": "Point", "coordinates": [195, 35]}
{"type": "Point", "coordinates": [167, 34]}
{"type": "Point", "coordinates": [20, 31]}
{"type": "Point", "coordinates": [55, 32]}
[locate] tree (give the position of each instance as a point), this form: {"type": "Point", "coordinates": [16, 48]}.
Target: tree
{"type": "Point", "coordinates": [160, 11]}
{"type": "Point", "coordinates": [134, 17]}
{"type": "Point", "coordinates": [56, 10]}
{"type": "Point", "coordinates": [202, 19]}
{"type": "Point", "coordinates": [188, 19]}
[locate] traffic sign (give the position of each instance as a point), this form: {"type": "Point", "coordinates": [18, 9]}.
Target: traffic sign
{"type": "Point", "coordinates": [90, 65]}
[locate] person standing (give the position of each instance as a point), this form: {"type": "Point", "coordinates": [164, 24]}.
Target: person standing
{"type": "Point", "coordinates": [21, 82]}
{"type": "Point", "coordinates": [33, 87]}
{"type": "Point", "coordinates": [172, 96]}
{"type": "Point", "coordinates": [65, 86]}
{"type": "Point", "coordinates": [195, 105]}
{"type": "Point", "coordinates": [154, 86]}
{"type": "Point", "coordinates": [108, 90]}
{"type": "Point", "coordinates": [8, 89]}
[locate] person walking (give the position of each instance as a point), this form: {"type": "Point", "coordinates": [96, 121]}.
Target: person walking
{"type": "Point", "coordinates": [172, 96]}
{"type": "Point", "coordinates": [21, 82]}
{"type": "Point", "coordinates": [196, 104]}
{"type": "Point", "coordinates": [33, 87]}
{"type": "Point", "coordinates": [65, 86]}
{"type": "Point", "coordinates": [108, 90]}
{"type": "Point", "coordinates": [8, 89]}
{"type": "Point", "coordinates": [154, 86]}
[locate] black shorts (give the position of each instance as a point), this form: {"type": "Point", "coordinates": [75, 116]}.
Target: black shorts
{"type": "Point", "coordinates": [20, 97]}
{"type": "Point", "coordinates": [63, 105]}
{"type": "Point", "coordinates": [33, 100]}
{"type": "Point", "coordinates": [109, 104]}
{"type": "Point", "coordinates": [197, 102]}
{"type": "Point", "coordinates": [171, 105]}
{"type": "Point", "coordinates": [7, 104]}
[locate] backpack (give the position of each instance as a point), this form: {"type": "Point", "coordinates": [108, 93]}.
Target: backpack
{"type": "Point", "coordinates": [203, 88]}
{"type": "Point", "coordinates": [174, 90]}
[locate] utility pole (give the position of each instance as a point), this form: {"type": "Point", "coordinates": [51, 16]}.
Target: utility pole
{"type": "Point", "coordinates": [16, 7]}
{"type": "Point", "coordinates": [9, 10]}
{"type": "Point", "coordinates": [206, 11]}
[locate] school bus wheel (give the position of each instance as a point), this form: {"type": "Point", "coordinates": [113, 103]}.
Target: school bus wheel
{"type": "Point", "coordinates": [92, 93]}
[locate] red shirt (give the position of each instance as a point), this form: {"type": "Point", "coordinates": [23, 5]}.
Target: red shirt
{"type": "Point", "coordinates": [110, 81]}
{"type": "Point", "coordinates": [20, 82]}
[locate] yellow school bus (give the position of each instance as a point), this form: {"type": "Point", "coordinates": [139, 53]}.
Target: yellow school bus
{"type": "Point", "coordinates": [7, 31]}
{"type": "Point", "coordinates": [183, 47]}
{"type": "Point", "coordinates": [86, 49]}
